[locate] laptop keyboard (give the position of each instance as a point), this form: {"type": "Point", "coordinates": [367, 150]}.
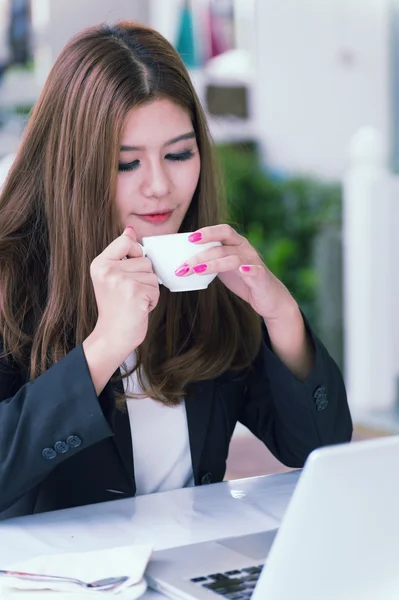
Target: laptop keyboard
{"type": "Point", "coordinates": [235, 585]}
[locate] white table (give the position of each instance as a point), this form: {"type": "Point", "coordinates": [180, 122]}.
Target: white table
{"type": "Point", "coordinates": [166, 520]}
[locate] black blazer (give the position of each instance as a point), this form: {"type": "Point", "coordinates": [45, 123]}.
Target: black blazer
{"type": "Point", "coordinates": [61, 446]}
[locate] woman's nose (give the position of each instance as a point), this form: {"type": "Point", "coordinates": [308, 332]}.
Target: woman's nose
{"type": "Point", "coordinates": [156, 182]}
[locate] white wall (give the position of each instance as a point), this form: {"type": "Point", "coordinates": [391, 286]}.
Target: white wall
{"type": "Point", "coordinates": [67, 18]}
{"type": "Point", "coordinates": [54, 23]}
{"type": "Point", "coordinates": [323, 72]}
{"type": "Point", "coordinates": [164, 17]}
{"type": "Point", "coordinates": [3, 30]}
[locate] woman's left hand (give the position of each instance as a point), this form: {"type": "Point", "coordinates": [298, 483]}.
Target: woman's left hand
{"type": "Point", "coordinates": [241, 269]}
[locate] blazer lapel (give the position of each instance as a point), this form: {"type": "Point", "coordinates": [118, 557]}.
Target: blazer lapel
{"type": "Point", "coordinates": [199, 403]}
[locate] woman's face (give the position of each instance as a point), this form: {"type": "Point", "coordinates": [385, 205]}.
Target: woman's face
{"type": "Point", "coordinates": [159, 167]}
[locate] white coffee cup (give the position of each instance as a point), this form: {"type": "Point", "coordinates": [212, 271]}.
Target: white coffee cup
{"type": "Point", "coordinates": [168, 252]}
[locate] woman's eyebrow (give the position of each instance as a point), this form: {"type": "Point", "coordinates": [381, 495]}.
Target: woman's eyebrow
{"type": "Point", "coordinates": [185, 136]}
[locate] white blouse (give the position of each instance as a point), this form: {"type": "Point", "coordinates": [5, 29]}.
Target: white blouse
{"type": "Point", "coordinates": [161, 448]}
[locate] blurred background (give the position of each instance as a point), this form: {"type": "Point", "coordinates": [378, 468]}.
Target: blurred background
{"type": "Point", "coordinates": [302, 99]}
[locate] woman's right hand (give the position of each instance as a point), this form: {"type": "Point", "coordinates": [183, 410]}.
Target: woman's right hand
{"type": "Point", "coordinates": [126, 292]}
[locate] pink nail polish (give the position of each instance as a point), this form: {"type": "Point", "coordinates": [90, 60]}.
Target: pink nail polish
{"type": "Point", "coordinates": [129, 227]}
{"type": "Point", "coordinates": [195, 237]}
{"type": "Point", "coordinates": [200, 268]}
{"type": "Point", "coordinates": [183, 270]}
{"type": "Point", "coordinates": [245, 268]}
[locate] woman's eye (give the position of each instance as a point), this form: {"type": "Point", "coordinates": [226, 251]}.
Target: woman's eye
{"type": "Point", "coordinates": [181, 156]}
{"type": "Point", "coordinates": [128, 166]}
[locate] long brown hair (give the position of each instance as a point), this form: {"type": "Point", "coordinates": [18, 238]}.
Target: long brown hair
{"type": "Point", "coordinates": [57, 213]}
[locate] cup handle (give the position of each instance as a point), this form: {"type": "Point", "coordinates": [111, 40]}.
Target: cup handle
{"type": "Point", "coordinates": [145, 254]}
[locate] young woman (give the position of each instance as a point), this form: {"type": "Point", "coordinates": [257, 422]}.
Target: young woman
{"type": "Point", "coordinates": [110, 385]}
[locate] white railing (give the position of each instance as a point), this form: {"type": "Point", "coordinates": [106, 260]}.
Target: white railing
{"type": "Point", "coordinates": [371, 275]}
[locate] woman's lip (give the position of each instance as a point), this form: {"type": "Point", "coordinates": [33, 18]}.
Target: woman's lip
{"type": "Point", "coordinates": [156, 217]}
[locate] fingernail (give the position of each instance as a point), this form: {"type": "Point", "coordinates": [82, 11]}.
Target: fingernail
{"type": "Point", "coordinates": [183, 270]}
{"type": "Point", "coordinates": [195, 237]}
{"type": "Point", "coordinates": [129, 227]}
{"type": "Point", "coordinates": [200, 268]}
{"type": "Point", "coordinates": [245, 268]}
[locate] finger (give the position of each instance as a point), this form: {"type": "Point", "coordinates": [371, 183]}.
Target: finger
{"type": "Point", "coordinates": [251, 272]}
{"type": "Point", "coordinates": [217, 233]}
{"type": "Point", "coordinates": [148, 299]}
{"type": "Point", "coordinates": [136, 265]}
{"type": "Point", "coordinates": [124, 245]}
{"type": "Point", "coordinates": [220, 265]}
{"type": "Point", "coordinates": [145, 278]}
{"type": "Point", "coordinates": [151, 293]}
{"type": "Point", "coordinates": [153, 300]}
{"type": "Point", "coordinates": [215, 253]}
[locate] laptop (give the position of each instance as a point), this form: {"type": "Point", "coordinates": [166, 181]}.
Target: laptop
{"type": "Point", "coordinates": [338, 540]}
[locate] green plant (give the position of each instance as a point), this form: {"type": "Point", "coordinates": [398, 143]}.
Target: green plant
{"type": "Point", "coordinates": [281, 218]}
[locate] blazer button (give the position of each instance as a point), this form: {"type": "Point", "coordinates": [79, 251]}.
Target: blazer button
{"type": "Point", "coordinates": [206, 479]}
{"type": "Point", "coordinates": [61, 447]}
{"type": "Point", "coordinates": [49, 453]}
{"type": "Point", "coordinates": [74, 441]}
{"type": "Point", "coordinates": [321, 404]}
{"type": "Point", "coordinates": [320, 392]}
{"type": "Point", "coordinates": [320, 398]}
